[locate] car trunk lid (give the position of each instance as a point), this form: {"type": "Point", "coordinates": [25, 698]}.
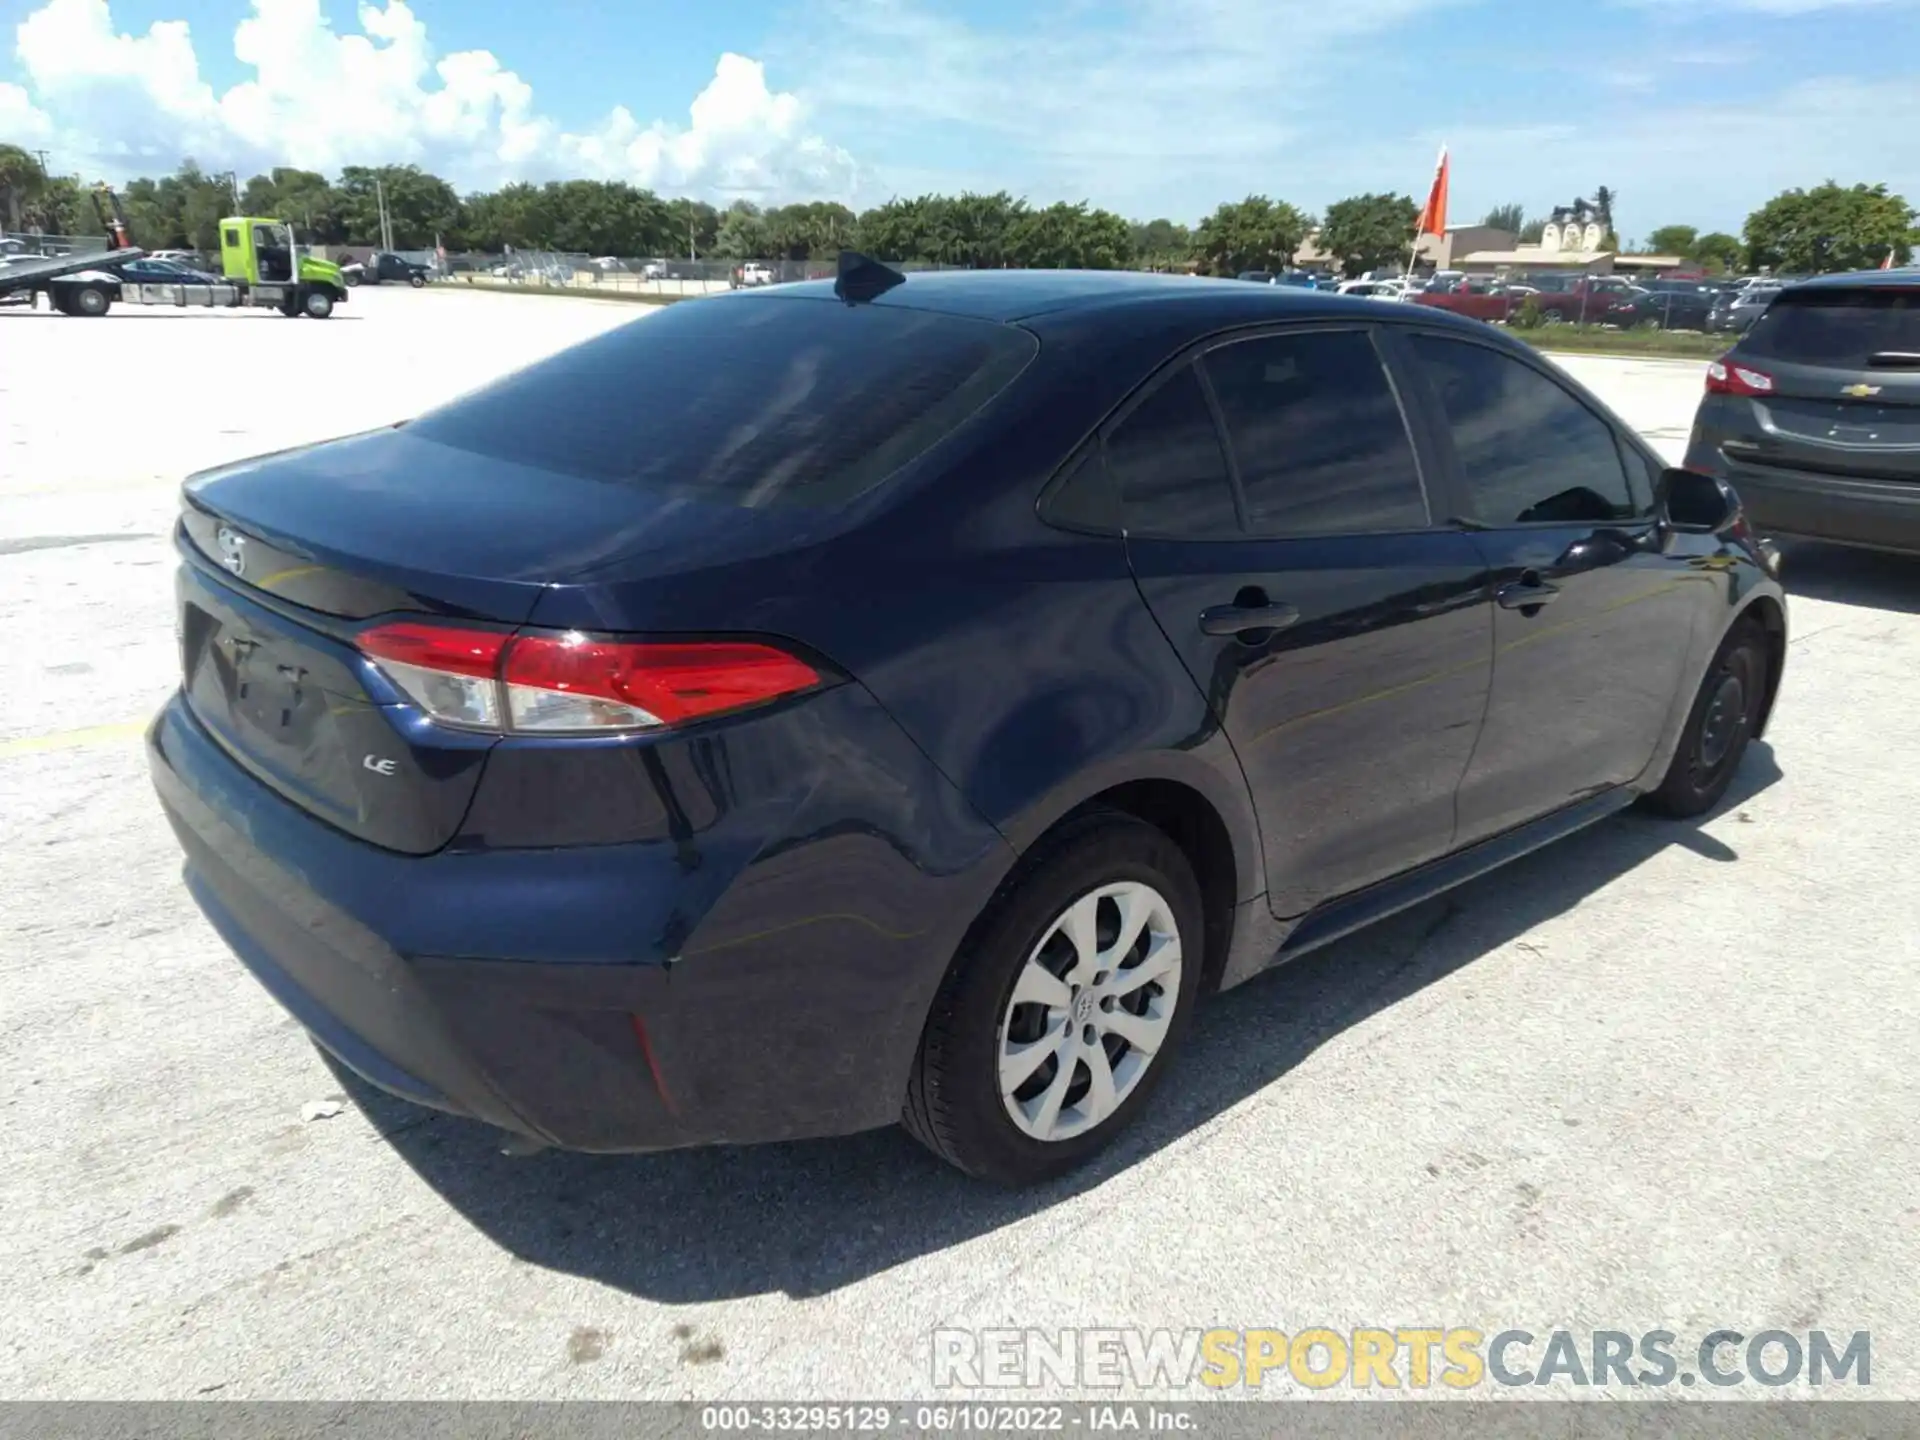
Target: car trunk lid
{"type": "Point", "coordinates": [292, 560]}
{"type": "Point", "coordinates": [673, 478]}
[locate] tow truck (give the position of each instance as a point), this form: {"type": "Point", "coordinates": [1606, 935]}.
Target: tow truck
{"type": "Point", "coordinates": [260, 261]}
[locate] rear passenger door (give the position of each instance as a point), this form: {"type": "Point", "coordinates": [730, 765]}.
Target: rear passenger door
{"type": "Point", "coordinates": [1279, 528]}
{"type": "Point", "coordinates": [1592, 620]}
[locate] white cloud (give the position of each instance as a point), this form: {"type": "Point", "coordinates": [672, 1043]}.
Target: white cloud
{"type": "Point", "coordinates": [123, 103]}
{"type": "Point", "coordinates": [1150, 106]}
{"type": "Point", "coordinates": [1695, 9]}
{"type": "Point", "coordinates": [21, 121]}
{"type": "Point", "coordinates": [1168, 107]}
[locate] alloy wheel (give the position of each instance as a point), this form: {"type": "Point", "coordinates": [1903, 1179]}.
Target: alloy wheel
{"type": "Point", "coordinates": [1089, 1011]}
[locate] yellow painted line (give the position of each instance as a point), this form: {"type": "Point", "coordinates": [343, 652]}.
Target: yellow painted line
{"type": "Point", "coordinates": [73, 739]}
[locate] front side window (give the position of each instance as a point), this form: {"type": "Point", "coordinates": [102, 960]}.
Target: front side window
{"type": "Point", "coordinates": [1528, 451]}
{"type": "Point", "coordinates": [1318, 435]}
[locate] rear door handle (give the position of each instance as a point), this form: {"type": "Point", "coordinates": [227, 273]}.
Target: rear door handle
{"type": "Point", "coordinates": [1240, 619]}
{"type": "Point", "coordinates": [1528, 593]}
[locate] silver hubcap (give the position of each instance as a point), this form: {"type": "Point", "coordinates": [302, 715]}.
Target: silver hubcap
{"type": "Point", "coordinates": [1089, 1011]}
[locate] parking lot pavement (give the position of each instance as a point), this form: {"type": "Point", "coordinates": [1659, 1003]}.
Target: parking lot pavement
{"type": "Point", "coordinates": [1656, 1077]}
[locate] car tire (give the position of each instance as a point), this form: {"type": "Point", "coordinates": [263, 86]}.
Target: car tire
{"type": "Point", "coordinates": [317, 304]}
{"type": "Point", "coordinates": [91, 301]}
{"type": "Point", "coordinates": [416, 281]}
{"type": "Point", "coordinates": [987, 1051]}
{"type": "Point", "coordinates": [1719, 726]}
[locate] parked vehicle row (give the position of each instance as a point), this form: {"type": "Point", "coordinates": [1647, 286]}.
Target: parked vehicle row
{"type": "Point", "coordinates": [1617, 300]}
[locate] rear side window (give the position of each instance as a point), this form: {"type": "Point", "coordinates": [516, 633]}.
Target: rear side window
{"type": "Point", "coordinates": [1317, 434]}
{"type": "Point", "coordinates": [1165, 464]}
{"type": "Point", "coordinates": [754, 401]}
{"type": "Point", "coordinates": [1528, 451]}
{"type": "Point", "coordinates": [1841, 329]}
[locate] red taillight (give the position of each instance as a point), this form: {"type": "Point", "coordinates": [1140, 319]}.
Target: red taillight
{"type": "Point", "coordinates": [1727, 377]}
{"type": "Point", "coordinates": [548, 683]}
{"type": "Point", "coordinates": [668, 684]}
{"type": "Point", "coordinates": [435, 647]}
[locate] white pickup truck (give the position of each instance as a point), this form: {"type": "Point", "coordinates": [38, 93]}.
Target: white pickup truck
{"type": "Point", "coordinates": [751, 274]}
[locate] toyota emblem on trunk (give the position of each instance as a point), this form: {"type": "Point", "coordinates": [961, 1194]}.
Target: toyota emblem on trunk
{"type": "Point", "coordinates": [233, 550]}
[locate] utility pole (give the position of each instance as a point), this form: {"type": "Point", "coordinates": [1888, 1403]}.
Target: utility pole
{"type": "Point", "coordinates": [386, 223]}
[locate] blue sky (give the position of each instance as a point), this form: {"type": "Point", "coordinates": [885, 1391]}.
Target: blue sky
{"type": "Point", "coordinates": [1694, 113]}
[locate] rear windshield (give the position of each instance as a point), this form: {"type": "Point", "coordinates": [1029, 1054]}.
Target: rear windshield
{"type": "Point", "coordinates": [755, 401]}
{"type": "Point", "coordinates": [1844, 329]}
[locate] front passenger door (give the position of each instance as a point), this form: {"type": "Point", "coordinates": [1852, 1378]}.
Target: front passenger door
{"type": "Point", "coordinates": [1592, 621]}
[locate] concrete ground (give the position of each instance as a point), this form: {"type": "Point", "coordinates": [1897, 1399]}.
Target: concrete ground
{"type": "Point", "coordinates": [1656, 1077]}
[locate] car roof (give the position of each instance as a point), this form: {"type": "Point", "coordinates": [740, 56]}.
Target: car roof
{"type": "Point", "coordinates": [1860, 279]}
{"type": "Point", "coordinates": [1011, 296]}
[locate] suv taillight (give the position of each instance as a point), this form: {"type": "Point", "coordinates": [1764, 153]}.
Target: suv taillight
{"type": "Point", "coordinates": [563, 682]}
{"type": "Point", "coordinates": [1725, 376]}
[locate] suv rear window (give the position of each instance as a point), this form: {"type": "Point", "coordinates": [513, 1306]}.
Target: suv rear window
{"type": "Point", "coordinates": [1840, 328]}
{"type": "Point", "coordinates": [752, 401]}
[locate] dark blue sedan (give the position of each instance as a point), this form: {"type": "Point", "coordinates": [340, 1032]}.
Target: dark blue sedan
{"type": "Point", "coordinates": [901, 700]}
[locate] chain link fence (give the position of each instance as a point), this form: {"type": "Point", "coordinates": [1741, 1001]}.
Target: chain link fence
{"type": "Point", "coordinates": [617, 274]}
{"type": "Point", "coordinates": [17, 244]}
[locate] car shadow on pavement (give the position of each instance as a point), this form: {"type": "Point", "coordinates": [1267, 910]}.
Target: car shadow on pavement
{"type": "Point", "coordinates": [1847, 576]}
{"type": "Point", "coordinates": [805, 1219]}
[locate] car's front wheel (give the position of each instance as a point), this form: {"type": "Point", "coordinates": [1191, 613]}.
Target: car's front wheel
{"type": "Point", "coordinates": [1065, 1006]}
{"type": "Point", "coordinates": [1725, 713]}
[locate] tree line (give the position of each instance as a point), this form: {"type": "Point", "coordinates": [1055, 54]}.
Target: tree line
{"type": "Point", "coordinates": [1826, 228]}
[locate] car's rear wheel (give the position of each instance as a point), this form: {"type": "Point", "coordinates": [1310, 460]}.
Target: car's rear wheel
{"type": "Point", "coordinates": [1719, 727]}
{"type": "Point", "coordinates": [1065, 1006]}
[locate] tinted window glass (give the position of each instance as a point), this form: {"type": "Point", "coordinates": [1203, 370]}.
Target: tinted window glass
{"type": "Point", "coordinates": [1085, 497]}
{"type": "Point", "coordinates": [1844, 329]}
{"type": "Point", "coordinates": [751, 400]}
{"type": "Point", "coordinates": [1528, 450]}
{"type": "Point", "coordinates": [1166, 461]}
{"type": "Point", "coordinates": [1318, 435]}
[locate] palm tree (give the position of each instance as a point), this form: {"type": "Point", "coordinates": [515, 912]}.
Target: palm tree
{"type": "Point", "coordinates": [21, 181]}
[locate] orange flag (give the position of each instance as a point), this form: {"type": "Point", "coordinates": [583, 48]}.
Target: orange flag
{"type": "Point", "coordinates": [1433, 219]}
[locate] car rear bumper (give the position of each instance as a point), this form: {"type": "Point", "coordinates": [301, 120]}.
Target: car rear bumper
{"type": "Point", "coordinates": [1872, 514]}
{"type": "Point", "coordinates": [802, 1027]}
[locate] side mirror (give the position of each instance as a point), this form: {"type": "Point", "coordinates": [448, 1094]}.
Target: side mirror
{"type": "Point", "coordinates": [1696, 503]}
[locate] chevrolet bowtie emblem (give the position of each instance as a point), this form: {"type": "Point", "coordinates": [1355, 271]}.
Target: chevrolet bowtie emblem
{"type": "Point", "coordinates": [1861, 392]}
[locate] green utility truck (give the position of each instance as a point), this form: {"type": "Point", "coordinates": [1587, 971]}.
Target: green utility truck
{"type": "Point", "coordinates": [260, 262]}
{"type": "Point", "coordinates": [260, 256]}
